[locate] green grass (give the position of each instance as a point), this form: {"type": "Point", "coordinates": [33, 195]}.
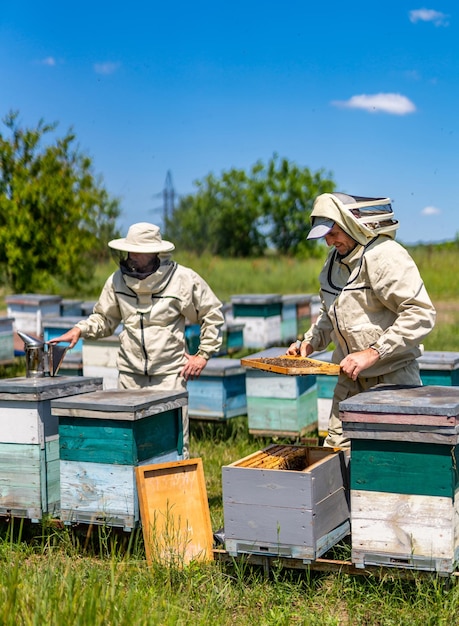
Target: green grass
{"type": "Point", "coordinates": [55, 576]}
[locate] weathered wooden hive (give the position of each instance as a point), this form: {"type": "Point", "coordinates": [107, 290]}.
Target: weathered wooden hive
{"type": "Point", "coordinates": [103, 437]}
{"type": "Point", "coordinates": [29, 443]}
{"type": "Point", "coordinates": [404, 476]}
{"type": "Point", "coordinates": [286, 500]}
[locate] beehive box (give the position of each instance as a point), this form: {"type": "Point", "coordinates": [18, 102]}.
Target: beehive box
{"type": "Point", "coordinates": [192, 337]}
{"type": "Point", "coordinates": [29, 443]}
{"type": "Point", "coordinates": [103, 437]}
{"type": "Point", "coordinates": [325, 390]}
{"type": "Point", "coordinates": [279, 405]}
{"type": "Point", "coordinates": [404, 479]}
{"type": "Point", "coordinates": [289, 318]}
{"type": "Point", "coordinates": [100, 358]}
{"type": "Point", "coordinates": [261, 315]}
{"type": "Point", "coordinates": [234, 340]}
{"type": "Point", "coordinates": [439, 368]}
{"type": "Point", "coordinates": [6, 340]}
{"type": "Point", "coordinates": [287, 501]}
{"type": "Point", "coordinates": [69, 307]}
{"type": "Point", "coordinates": [28, 311]}
{"type": "Point", "coordinates": [53, 327]}
{"type": "Point", "coordinates": [219, 392]}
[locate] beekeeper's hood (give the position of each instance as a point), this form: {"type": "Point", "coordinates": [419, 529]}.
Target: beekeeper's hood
{"type": "Point", "coordinates": [361, 218]}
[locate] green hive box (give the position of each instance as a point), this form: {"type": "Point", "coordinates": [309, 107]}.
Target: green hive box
{"type": "Point", "coordinates": [439, 368]}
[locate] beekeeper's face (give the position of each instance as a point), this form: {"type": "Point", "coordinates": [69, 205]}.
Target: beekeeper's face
{"type": "Point", "coordinates": [341, 240]}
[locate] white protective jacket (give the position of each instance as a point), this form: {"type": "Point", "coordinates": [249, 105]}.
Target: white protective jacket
{"type": "Point", "coordinates": [153, 313]}
{"type": "Point", "coordinates": [374, 297]}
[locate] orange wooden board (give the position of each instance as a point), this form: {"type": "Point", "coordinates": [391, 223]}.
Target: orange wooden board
{"type": "Point", "coordinates": [175, 512]}
{"type": "Point", "coordinates": [292, 365]}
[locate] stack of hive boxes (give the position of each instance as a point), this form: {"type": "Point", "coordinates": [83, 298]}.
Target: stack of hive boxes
{"type": "Point", "coordinates": [404, 476]}
{"type": "Point", "coordinates": [29, 443]}
{"type": "Point", "coordinates": [280, 405]}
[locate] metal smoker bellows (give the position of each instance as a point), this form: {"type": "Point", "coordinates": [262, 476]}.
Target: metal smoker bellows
{"type": "Point", "coordinates": [42, 359]}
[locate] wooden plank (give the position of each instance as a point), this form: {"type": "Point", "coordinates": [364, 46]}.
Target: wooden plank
{"type": "Point", "coordinates": [175, 512]}
{"type": "Point", "coordinates": [407, 436]}
{"type": "Point", "coordinates": [326, 565]}
{"type": "Point", "coordinates": [399, 418]}
{"type": "Point", "coordinates": [292, 365]}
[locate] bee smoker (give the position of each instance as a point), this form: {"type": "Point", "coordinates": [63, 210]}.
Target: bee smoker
{"type": "Point", "coordinates": [42, 359]}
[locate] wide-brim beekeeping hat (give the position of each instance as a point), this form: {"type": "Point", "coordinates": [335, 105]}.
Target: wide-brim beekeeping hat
{"type": "Point", "coordinates": [142, 238]}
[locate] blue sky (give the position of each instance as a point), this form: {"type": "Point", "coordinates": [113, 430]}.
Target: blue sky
{"type": "Point", "coordinates": [367, 91]}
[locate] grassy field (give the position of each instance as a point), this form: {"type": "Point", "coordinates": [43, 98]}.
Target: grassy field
{"type": "Point", "coordinates": [59, 576]}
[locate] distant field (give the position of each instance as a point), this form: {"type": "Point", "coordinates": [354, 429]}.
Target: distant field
{"type": "Point", "coordinates": [227, 277]}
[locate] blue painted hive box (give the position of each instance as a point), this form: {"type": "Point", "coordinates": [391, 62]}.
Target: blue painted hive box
{"type": "Point", "coordinates": [404, 476]}
{"type": "Point", "coordinates": [325, 389]}
{"type": "Point", "coordinates": [69, 307]}
{"type": "Point", "coordinates": [53, 327]}
{"type": "Point", "coordinates": [6, 340]}
{"type": "Point", "coordinates": [104, 436]}
{"type": "Point", "coordinates": [219, 392]}
{"type": "Point", "coordinates": [29, 443]}
{"type": "Point", "coordinates": [289, 319]}
{"type": "Point", "coordinates": [286, 500]}
{"type": "Point", "coordinates": [279, 405]}
{"type": "Point", "coordinates": [439, 368]}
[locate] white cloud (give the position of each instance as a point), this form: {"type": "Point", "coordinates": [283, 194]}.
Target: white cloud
{"type": "Point", "coordinates": [50, 61]}
{"type": "Point", "coordinates": [429, 15]}
{"type": "Point", "coordinates": [106, 68]}
{"type": "Point", "coordinates": [430, 210]}
{"type": "Point", "coordinates": [392, 103]}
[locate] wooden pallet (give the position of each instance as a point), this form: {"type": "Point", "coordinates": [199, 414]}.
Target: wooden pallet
{"type": "Point", "coordinates": [329, 566]}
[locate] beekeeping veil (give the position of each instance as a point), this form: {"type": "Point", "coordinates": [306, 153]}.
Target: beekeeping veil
{"type": "Point", "coordinates": [360, 217]}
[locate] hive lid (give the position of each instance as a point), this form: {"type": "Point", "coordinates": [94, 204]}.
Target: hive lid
{"type": "Point", "coordinates": [406, 400]}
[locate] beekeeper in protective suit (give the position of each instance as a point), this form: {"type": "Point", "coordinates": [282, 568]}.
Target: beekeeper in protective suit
{"type": "Point", "coordinates": [375, 308]}
{"type": "Point", "coordinates": [151, 296]}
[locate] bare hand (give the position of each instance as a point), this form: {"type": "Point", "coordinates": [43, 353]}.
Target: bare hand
{"type": "Point", "coordinates": [300, 349]}
{"type": "Point", "coordinates": [356, 362]}
{"type": "Point", "coordinates": [71, 337]}
{"type": "Point", "coordinates": [194, 366]}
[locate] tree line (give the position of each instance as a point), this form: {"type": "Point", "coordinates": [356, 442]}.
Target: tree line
{"type": "Point", "coordinates": [244, 213]}
{"type": "Point", "coordinates": [56, 215]}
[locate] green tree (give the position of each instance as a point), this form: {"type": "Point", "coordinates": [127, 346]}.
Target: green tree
{"type": "Point", "coordinates": [55, 215]}
{"type": "Point", "coordinates": [221, 218]}
{"type": "Point", "coordinates": [287, 200]}
{"type": "Point", "coordinates": [241, 214]}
